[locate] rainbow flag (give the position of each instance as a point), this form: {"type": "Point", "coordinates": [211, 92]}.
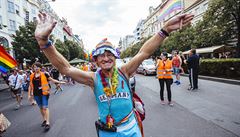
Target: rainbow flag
{"type": "Point", "coordinates": [7, 62]}
{"type": "Point", "coordinates": [169, 7]}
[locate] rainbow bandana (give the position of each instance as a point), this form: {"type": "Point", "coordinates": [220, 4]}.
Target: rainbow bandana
{"type": "Point", "coordinates": [103, 46]}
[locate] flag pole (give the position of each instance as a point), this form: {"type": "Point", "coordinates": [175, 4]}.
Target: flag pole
{"type": "Point", "coordinates": [183, 7]}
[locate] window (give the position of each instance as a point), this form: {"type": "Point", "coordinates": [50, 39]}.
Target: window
{"type": "Point", "coordinates": [11, 7]}
{"type": "Point", "coordinates": [205, 6]}
{"type": "Point", "coordinates": [12, 25]}
{"type": "Point", "coordinates": [197, 11]}
{"type": "Point", "coordinates": [17, 9]}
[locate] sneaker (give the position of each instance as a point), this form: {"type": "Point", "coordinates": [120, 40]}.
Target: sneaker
{"type": "Point", "coordinates": [178, 83]}
{"type": "Point", "coordinates": [194, 89]}
{"type": "Point", "coordinates": [47, 127]}
{"type": "Point", "coordinates": [170, 104]}
{"type": "Point", "coordinates": [43, 123]}
{"type": "Point", "coordinates": [17, 107]}
{"type": "Point", "coordinates": [190, 88]}
{"type": "Point", "coordinates": [162, 102]}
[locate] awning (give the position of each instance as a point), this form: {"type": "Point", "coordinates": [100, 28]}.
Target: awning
{"type": "Point", "coordinates": [217, 49]}
{"type": "Point", "coordinates": [76, 61]}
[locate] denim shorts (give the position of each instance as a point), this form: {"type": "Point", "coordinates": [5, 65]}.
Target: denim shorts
{"type": "Point", "coordinates": [176, 70]}
{"type": "Point", "coordinates": [42, 101]}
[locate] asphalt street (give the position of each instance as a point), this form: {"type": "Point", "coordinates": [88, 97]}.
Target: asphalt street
{"type": "Point", "coordinates": [212, 111]}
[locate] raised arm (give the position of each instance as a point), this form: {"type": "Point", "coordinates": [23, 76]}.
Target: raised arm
{"type": "Point", "coordinates": [43, 30]}
{"type": "Point", "coordinates": [154, 42]}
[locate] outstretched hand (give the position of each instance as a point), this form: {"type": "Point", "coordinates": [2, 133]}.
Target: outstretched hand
{"type": "Point", "coordinates": [44, 28]}
{"type": "Point", "coordinates": [178, 22]}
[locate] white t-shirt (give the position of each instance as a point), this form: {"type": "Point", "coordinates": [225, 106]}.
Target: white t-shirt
{"type": "Point", "coordinates": [12, 79]}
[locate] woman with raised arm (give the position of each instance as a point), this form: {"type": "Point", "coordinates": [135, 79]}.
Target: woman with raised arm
{"type": "Point", "coordinates": [112, 94]}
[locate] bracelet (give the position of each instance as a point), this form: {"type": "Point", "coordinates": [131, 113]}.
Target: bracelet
{"type": "Point", "coordinates": [47, 45]}
{"type": "Point", "coordinates": [161, 34]}
{"type": "Point", "coordinates": [164, 32]}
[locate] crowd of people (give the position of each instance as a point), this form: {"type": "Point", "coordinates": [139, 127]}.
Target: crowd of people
{"type": "Point", "coordinates": [167, 66]}
{"type": "Point", "coordinates": [116, 109]}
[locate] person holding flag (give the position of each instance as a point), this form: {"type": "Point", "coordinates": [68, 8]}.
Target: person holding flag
{"type": "Point", "coordinates": [116, 113]}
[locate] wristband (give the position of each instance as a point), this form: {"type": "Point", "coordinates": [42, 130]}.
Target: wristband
{"type": "Point", "coordinates": [160, 33]}
{"type": "Point", "coordinates": [47, 45]}
{"type": "Point", "coordinates": [164, 32]}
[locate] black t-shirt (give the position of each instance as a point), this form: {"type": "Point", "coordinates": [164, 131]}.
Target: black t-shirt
{"type": "Point", "coordinates": [37, 91]}
{"type": "Point", "coordinates": [55, 73]}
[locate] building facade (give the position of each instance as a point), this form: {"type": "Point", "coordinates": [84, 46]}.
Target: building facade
{"type": "Point", "coordinates": [15, 13]}
{"type": "Point", "coordinates": [126, 42]}
{"type": "Point", "coordinates": [138, 31]}
{"type": "Point", "coordinates": [152, 24]}
{"type": "Point", "coordinates": [198, 9]}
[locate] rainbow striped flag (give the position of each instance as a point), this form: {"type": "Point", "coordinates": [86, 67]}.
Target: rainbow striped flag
{"type": "Point", "coordinates": [7, 62]}
{"type": "Point", "coordinates": [169, 7]}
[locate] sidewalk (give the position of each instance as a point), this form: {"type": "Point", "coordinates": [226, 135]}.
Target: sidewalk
{"type": "Point", "coordinates": [214, 101]}
{"type": "Point", "coordinates": [3, 85]}
{"type": "Point", "coordinates": [224, 80]}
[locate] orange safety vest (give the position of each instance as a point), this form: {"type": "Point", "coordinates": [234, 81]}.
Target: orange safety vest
{"type": "Point", "coordinates": [44, 83]}
{"type": "Point", "coordinates": [163, 70]}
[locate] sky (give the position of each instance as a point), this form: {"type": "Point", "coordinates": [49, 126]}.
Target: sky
{"type": "Point", "coordinates": [94, 20]}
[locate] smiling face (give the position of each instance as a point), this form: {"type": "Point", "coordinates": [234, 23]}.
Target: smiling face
{"type": "Point", "coordinates": [106, 61]}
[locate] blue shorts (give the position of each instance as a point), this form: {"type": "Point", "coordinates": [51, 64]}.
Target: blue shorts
{"type": "Point", "coordinates": [42, 101]}
{"type": "Point", "coordinates": [176, 70]}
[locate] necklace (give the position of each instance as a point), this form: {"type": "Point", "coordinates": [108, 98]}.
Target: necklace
{"type": "Point", "coordinates": [110, 87]}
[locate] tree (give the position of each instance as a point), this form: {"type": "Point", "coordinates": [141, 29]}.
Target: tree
{"type": "Point", "coordinates": [62, 49]}
{"type": "Point", "coordinates": [74, 49]}
{"type": "Point", "coordinates": [24, 44]}
{"type": "Point", "coordinates": [222, 22]}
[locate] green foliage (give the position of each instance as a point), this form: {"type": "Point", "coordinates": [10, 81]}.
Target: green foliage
{"type": "Point", "coordinates": [62, 49]}
{"type": "Point", "coordinates": [74, 50]}
{"type": "Point", "coordinates": [25, 44]}
{"type": "Point", "coordinates": [226, 68]}
{"type": "Point", "coordinates": [217, 27]}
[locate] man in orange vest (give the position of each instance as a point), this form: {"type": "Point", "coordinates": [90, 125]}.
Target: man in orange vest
{"type": "Point", "coordinates": [164, 73]}
{"type": "Point", "coordinates": [39, 88]}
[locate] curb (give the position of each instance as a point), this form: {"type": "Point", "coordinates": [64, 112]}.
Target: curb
{"type": "Point", "coordinates": [223, 80]}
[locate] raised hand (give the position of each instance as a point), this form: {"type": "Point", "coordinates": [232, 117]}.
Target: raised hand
{"type": "Point", "coordinates": [44, 28]}
{"type": "Point", "coordinates": [178, 22]}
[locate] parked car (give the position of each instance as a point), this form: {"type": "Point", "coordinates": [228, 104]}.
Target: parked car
{"type": "Point", "coordinates": [147, 67]}
{"type": "Point", "coordinates": [132, 80]}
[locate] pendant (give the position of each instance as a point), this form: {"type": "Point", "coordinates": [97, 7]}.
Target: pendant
{"type": "Point", "coordinates": [109, 121]}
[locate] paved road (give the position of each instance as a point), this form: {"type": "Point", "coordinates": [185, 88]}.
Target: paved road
{"type": "Point", "coordinates": [213, 111]}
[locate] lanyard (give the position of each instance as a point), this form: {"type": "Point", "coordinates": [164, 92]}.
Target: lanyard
{"type": "Point", "coordinates": [109, 98]}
